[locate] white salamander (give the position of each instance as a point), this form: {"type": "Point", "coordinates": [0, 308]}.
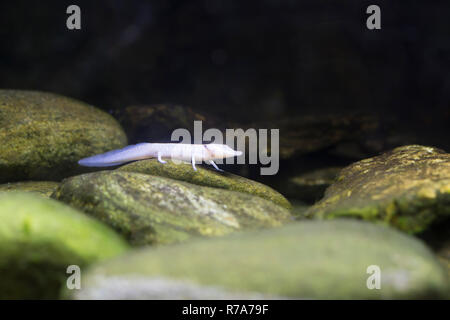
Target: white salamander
{"type": "Point", "coordinates": [176, 151]}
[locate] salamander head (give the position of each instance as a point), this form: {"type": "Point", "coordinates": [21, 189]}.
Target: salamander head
{"type": "Point", "coordinates": [220, 151]}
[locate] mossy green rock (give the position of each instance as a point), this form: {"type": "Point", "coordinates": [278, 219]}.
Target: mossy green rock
{"type": "Point", "coordinates": [43, 135]}
{"type": "Point", "coordinates": [40, 238]}
{"type": "Point", "coordinates": [43, 188]}
{"type": "Point", "coordinates": [303, 260]}
{"type": "Point", "coordinates": [206, 177]}
{"type": "Point", "coordinates": [149, 209]}
{"type": "Point", "coordinates": [408, 187]}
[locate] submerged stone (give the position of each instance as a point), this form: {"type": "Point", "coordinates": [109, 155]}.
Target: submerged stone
{"type": "Point", "coordinates": [314, 133]}
{"type": "Point", "coordinates": [43, 188]}
{"type": "Point", "coordinates": [303, 260]}
{"type": "Point", "coordinates": [155, 210]}
{"type": "Point", "coordinates": [40, 238]}
{"type": "Point", "coordinates": [157, 122]}
{"type": "Point", "coordinates": [408, 187]}
{"type": "Point", "coordinates": [43, 135]}
{"type": "Point", "coordinates": [206, 177]}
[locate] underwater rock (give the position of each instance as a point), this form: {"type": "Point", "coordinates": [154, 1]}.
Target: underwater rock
{"type": "Point", "coordinates": [303, 260]}
{"type": "Point", "coordinates": [155, 123]}
{"type": "Point", "coordinates": [40, 238]}
{"type": "Point", "coordinates": [206, 177]}
{"type": "Point", "coordinates": [408, 187]}
{"type": "Point", "coordinates": [43, 188]}
{"type": "Point", "coordinates": [43, 135]}
{"type": "Point", "coordinates": [309, 186]}
{"type": "Point", "coordinates": [299, 209]}
{"type": "Point", "coordinates": [307, 134]}
{"type": "Point", "coordinates": [155, 210]}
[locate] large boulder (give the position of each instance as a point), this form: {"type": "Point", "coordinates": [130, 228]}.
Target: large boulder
{"type": "Point", "coordinates": [206, 177]}
{"type": "Point", "coordinates": [40, 238]}
{"type": "Point", "coordinates": [303, 260]}
{"type": "Point", "coordinates": [408, 187]}
{"type": "Point", "coordinates": [43, 135]}
{"type": "Point", "coordinates": [155, 210]}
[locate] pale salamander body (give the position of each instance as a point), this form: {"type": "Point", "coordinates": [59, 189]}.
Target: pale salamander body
{"type": "Point", "coordinates": [175, 151]}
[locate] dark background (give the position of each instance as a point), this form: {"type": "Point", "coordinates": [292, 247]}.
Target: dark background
{"type": "Point", "coordinates": [240, 60]}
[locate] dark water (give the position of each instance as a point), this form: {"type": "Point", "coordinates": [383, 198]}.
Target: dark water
{"type": "Point", "coordinates": [237, 59]}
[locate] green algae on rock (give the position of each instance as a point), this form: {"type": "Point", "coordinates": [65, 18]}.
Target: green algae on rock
{"type": "Point", "coordinates": [206, 177]}
{"type": "Point", "coordinates": [155, 210]}
{"type": "Point", "coordinates": [302, 260]}
{"type": "Point", "coordinates": [408, 187]}
{"type": "Point", "coordinates": [43, 188]}
{"type": "Point", "coordinates": [43, 135]}
{"type": "Point", "coordinates": [40, 238]}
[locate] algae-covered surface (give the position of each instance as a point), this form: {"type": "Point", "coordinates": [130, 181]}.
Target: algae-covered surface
{"type": "Point", "coordinates": [303, 260]}
{"type": "Point", "coordinates": [408, 187]}
{"type": "Point", "coordinates": [43, 188]}
{"type": "Point", "coordinates": [206, 177]}
{"type": "Point", "coordinates": [43, 135]}
{"type": "Point", "coordinates": [40, 238]}
{"type": "Point", "coordinates": [150, 209]}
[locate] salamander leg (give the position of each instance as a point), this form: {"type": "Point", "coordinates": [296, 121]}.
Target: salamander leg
{"type": "Point", "coordinates": [193, 163]}
{"type": "Point", "coordinates": [215, 166]}
{"type": "Point", "coordinates": [159, 158]}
